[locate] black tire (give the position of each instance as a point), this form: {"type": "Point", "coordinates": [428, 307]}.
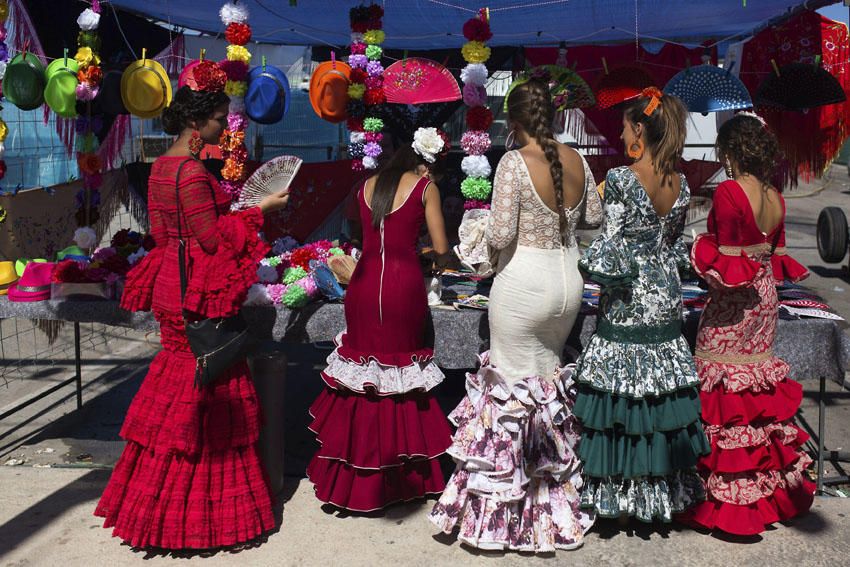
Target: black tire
{"type": "Point", "coordinates": [832, 235]}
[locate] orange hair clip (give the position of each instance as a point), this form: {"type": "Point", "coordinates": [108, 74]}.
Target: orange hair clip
{"type": "Point", "coordinates": [654, 94]}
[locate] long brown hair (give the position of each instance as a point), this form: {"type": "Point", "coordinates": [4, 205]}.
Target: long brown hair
{"type": "Point", "coordinates": [404, 159]}
{"type": "Point", "coordinates": [665, 131]}
{"type": "Point", "coordinates": [530, 106]}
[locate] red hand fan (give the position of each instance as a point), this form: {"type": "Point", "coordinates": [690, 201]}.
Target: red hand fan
{"type": "Point", "coordinates": [419, 81]}
{"type": "Point", "coordinates": [806, 303]}
{"type": "Point", "coordinates": [621, 84]}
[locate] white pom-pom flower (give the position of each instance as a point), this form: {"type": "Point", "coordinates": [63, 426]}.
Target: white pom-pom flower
{"type": "Point", "coordinates": [85, 237]}
{"type": "Point", "coordinates": [427, 143]}
{"type": "Point", "coordinates": [233, 13]}
{"type": "Point", "coordinates": [134, 258]}
{"type": "Point", "coordinates": [2, 150]}
{"type": "Point", "coordinates": [267, 274]}
{"type": "Point", "coordinates": [2, 69]}
{"type": "Point", "coordinates": [358, 137]}
{"type": "Point", "coordinates": [369, 162]}
{"type": "Point", "coordinates": [474, 74]}
{"type": "Point", "coordinates": [476, 166]}
{"type": "Point", "coordinates": [88, 20]}
{"type": "Point", "coordinates": [258, 294]}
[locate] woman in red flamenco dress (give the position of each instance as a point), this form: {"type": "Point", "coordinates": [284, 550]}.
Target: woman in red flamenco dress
{"type": "Point", "coordinates": [756, 472]}
{"type": "Point", "coordinates": [380, 429]}
{"type": "Point", "coordinates": [190, 476]}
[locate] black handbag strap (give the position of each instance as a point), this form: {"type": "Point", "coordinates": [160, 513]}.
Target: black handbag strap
{"type": "Point", "coordinates": [181, 247]}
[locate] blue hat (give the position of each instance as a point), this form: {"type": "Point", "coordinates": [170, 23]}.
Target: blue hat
{"type": "Point", "coordinates": [267, 98]}
{"type": "Point", "coordinates": [707, 88]}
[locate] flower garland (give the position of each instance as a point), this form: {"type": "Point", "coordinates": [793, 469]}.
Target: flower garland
{"type": "Point", "coordinates": [476, 140]}
{"type": "Point", "coordinates": [232, 143]}
{"type": "Point", "coordinates": [4, 57]}
{"type": "Point", "coordinates": [89, 77]}
{"type": "Point", "coordinates": [286, 276]}
{"type": "Point", "coordinates": [366, 91]}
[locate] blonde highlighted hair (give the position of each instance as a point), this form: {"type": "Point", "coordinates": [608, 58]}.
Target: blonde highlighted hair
{"type": "Point", "coordinates": [665, 130]}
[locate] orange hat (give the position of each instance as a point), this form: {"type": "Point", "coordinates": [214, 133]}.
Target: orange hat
{"type": "Point", "coordinates": [329, 90]}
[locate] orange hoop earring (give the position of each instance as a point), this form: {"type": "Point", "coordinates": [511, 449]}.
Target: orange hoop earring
{"type": "Point", "coordinates": [633, 153]}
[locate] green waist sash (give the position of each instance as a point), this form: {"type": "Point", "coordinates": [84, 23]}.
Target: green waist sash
{"type": "Point", "coordinates": [639, 334]}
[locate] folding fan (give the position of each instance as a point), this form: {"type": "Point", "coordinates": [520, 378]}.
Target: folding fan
{"type": "Point", "coordinates": [799, 86]}
{"type": "Point", "coordinates": [709, 88]}
{"type": "Point", "coordinates": [272, 177]}
{"type": "Point", "coordinates": [620, 84]}
{"type": "Point", "coordinates": [568, 89]}
{"type": "Point", "coordinates": [326, 281]}
{"type": "Point", "coordinates": [418, 81]}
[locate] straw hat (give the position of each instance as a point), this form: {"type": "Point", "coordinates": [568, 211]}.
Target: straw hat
{"type": "Point", "coordinates": [23, 83]}
{"type": "Point", "coordinates": [145, 88]}
{"type": "Point", "coordinates": [60, 94]}
{"type": "Point", "coordinates": [329, 90]}
{"type": "Point", "coordinates": [8, 276]}
{"type": "Point", "coordinates": [267, 98]}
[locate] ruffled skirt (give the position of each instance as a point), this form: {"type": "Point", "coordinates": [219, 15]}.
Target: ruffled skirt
{"type": "Point", "coordinates": [642, 438]}
{"type": "Point", "coordinates": [518, 478]}
{"type": "Point", "coordinates": [381, 431]}
{"type": "Point", "coordinates": [190, 476]}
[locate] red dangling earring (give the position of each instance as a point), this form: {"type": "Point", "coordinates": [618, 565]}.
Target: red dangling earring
{"type": "Point", "coordinates": [196, 144]}
{"type": "Point", "coordinates": [633, 153]}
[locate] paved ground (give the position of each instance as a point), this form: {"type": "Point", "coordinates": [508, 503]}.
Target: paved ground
{"type": "Point", "coordinates": [46, 502]}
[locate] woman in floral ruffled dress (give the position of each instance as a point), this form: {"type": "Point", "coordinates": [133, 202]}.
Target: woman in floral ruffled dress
{"type": "Point", "coordinates": [638, 400]}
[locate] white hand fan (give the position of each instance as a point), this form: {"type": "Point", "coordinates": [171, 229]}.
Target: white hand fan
{"type": "Point", "coordinates": [272, 177]}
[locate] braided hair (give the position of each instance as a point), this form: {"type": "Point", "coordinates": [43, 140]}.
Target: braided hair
{"type": "Point", "coordinates": [530, 106]}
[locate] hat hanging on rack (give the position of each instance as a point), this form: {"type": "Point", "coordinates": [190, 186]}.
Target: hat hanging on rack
{"type": "Point", "coordinates": [145, 88]}
{"type": "Point", "coordinates": [23, 83]}
{"type": "Point", "coordinates": [268, 94]}
{"type": "Point", "coordinates": [799, 86]}
{"type": "Point", "coordinates": [708, 88]}
{"type": "Point", "coordinates": [416, 80]}
{"type": "Point", "coordinates": [60, 94]}
{"type": "Point", "coordinates": [620, 84]}
{"type": "Point", "coordinates": [329, 90]}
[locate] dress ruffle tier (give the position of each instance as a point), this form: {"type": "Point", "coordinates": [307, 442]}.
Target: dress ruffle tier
{"type": "Point", "coordinates": [517, 480]}
{"type": "Point", "coordinates": [731, 271]}
{"type": "Point", "coordinates": [381, 433]}
{"type": "Point", "coordinates": [641, 438]}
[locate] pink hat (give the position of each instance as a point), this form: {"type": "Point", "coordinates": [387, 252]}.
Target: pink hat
{"type": "Point", "coordinates": [34, 284]}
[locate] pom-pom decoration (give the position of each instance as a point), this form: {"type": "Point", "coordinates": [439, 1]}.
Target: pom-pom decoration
{"type": "Point", "coordinates": [89, 77]}
{"type": "Point", "coordinates": [479, 118]}
{"type": "Point", "coordinates": [232, 12]}
{"type": "Point", "coordinates": [476, 188]}
{"type": "Point", "coordinates": [367, 80]}
{"type": "Point", "coordinates": [474, 74]}
{"type": "Point", "coordinates": [476, 166]}
{"type": "Point", "coordinates": [238, 33]}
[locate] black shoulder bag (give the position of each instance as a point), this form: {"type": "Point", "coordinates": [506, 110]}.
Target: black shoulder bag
{"type": "Point", "coordinates": [216, 343]}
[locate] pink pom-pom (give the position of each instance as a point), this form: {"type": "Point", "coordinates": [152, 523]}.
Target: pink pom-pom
{"type": "Point", "coordinates": [475, 142]}
{"type": "Point", "coordinates": [309, 286]}
{"type": "Point", "coordinates": [237, 121]}
{"type": "Point", "coordinates": [374, 82]}
{"type": "Point", "coordinates": [358, 48]}
{"type": "Point", "coordinates": [376, 137]}
{"type": "Point", "coordinates": [474, 95]}
{"type": "Point", "coordinates": [86, 92]}
{"type": "Point", "coordinates": [232, 188]}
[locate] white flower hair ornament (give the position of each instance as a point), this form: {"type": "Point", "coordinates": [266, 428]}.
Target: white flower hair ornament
{"type": "Point", "coordinates": [428, 143]}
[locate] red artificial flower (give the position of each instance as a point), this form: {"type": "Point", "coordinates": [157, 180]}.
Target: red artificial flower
{"type": "Point", "coordinates": [116, 264]}
{"type": "Point", "coordinates": [447, 142]}
{"type": "Point", "coordinates": [375, 24]}
{"type": "Point", "coordinates": [376, 12]}
{"type": "Point", "coordinates": [89, 163]}
{"type": "Point", "coordinates": [360, 27]}
{"type": "Point", "coordinates": [354, 124]}
{"type": "Point", "coordinates": [209, 77]}
{"type": "Point", "coordinates": [358, 75]}
{"type": "Point", "coordinates": [92, 75]}
{"type": "Point", "coordinates": [479, 118]}
{"type": "Point", "coordinates": [235, 70]}
{"type": "Point", "coordinates": [121, 238]}
{"type": "Point", "coordinates": [301, 257]}
{"type": "Point", "coordinates": [374, 96]}
{"type": "Point", "coordinates": [69, 271]}
{"type": "Point", "coordinates": [239, 154]}
{"type": "Point", "coordinates": [477, 30]}
{"type": "Point", "coordinates": [2, 169]}
{"type": "Point", "coordinates": [238, 33]}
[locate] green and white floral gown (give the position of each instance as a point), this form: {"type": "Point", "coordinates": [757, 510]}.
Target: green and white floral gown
{"type": "Point", "coordinates": [638, 395]}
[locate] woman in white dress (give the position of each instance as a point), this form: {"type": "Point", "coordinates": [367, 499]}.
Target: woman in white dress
{"type": "Point", "coordinates": [518, 477]}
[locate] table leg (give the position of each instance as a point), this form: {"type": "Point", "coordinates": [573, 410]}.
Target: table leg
{"type": "Point", "coordinates": [78, 364]}
{"type": "Point", "coordinates": [821, 419]}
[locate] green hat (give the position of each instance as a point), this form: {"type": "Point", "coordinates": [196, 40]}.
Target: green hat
{"type": "Point", "coordinates": [22, 263]}
{"type": "Point", "coordinates": [72, 253]}
{"type": "Point", "coordinates": [61, 90]}
{"type": "Point", "coordinates": [23, 84]}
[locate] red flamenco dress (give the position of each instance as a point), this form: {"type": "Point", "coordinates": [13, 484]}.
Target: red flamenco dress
{"type": "Point", "coordinates": [190, 476]}
{"type": "Point", "coordinates": [755, 474]}
{"type": "Point", "coordinates": [380, 429]}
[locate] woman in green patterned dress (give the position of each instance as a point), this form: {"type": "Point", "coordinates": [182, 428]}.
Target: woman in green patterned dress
{"type": "Point", "coordinates": [638, 400]}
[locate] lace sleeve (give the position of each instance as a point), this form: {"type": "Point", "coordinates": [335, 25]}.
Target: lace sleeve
{"type": "Point", "coordinates": [591, 216]}
{"type": "Point", "coordinates": [504, 219]}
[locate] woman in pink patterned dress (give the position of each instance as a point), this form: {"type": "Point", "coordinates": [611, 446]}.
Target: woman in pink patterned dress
{"type": "Point", "coordinates": [755, 474]}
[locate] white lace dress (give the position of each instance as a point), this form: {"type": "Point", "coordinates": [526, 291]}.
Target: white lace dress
{"type": "Point", "coordinates": [518, 477]}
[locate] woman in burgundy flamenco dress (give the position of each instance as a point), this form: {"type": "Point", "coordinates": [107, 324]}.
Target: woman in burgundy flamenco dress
{"type": "Point", "coordinates": [380, 429]}
{"type": "Point", "coordinates": [190, 476]}
{"type": "Point", "coordinates": [756, 472]}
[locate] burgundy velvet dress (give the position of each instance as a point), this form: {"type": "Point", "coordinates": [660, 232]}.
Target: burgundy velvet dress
{"type": "Point", "coordinates": [190, 475]}
{"type": "Point", "coordinates": [379, 427]}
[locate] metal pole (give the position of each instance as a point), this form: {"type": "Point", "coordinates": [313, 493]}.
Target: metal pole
{"type": "Point", "coordinates": [821, 419]}
{"type": "Point", "coordinates": [78, 363]}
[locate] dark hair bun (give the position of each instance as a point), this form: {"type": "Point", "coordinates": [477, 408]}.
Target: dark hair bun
{"type": "Point", "coordinates": [188, 106]}
{"type": "Point", "coordinates": [749, 145]}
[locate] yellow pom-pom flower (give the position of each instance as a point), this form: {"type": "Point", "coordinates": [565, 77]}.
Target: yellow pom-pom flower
{"type": "Point", "coordinates": [4, 130]}
{"type": "Point", "coordinates": [475, 52]}
{"type": "Point", "coordinates": [374, 37]}
{"type": "Point", "coordinates": [4, 10]}
{"type": "Point", "coordinates": [356, 90]}
{"type": "Point", "coordinates": [235, 88]}
{"type": "Point", "coordinates": [238, 53]}
{"type": "Point", "coordinates": [86, 57]}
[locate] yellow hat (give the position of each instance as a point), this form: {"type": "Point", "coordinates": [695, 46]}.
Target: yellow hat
{"type": "Point", "coordinates": [8, 276]}
{"type": "Point", "coordinates": [145, 88]}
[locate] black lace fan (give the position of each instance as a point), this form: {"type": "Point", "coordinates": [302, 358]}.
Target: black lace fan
{"type": "Point", "coordinates": [799, 86]}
